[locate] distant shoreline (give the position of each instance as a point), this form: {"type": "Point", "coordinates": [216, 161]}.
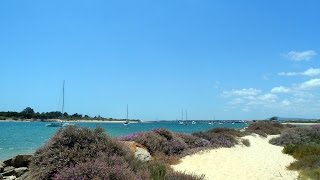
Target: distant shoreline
{"type": "Point", "coordinates": [302, 124]}
{"type": "Point", "coordinates": [72, 121]}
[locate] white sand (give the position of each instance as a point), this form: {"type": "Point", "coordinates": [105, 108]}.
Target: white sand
{"type": "Point", "coordinates": [259, 161]}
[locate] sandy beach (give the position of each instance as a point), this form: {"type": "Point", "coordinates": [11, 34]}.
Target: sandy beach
{"type": "Point", "coordinates": [259, 161]}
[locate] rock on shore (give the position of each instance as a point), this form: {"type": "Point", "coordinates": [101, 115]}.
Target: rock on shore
{"type": "Point", "coordinates": [15, 168]}
{"type": "Point", "coordinates": [140, 152]}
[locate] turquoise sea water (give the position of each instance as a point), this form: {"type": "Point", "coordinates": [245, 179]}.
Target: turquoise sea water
{"type": "Point", "coordinates": [26, 137]}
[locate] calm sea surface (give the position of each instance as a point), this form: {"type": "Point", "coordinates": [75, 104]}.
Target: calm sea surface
{"type": "Point", "coordinates": [26, 137]}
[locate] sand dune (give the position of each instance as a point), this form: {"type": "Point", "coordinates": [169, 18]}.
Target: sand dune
{"type": "Point", "coordinates": [259, 161]}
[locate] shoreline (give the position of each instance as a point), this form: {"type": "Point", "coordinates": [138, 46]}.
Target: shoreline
{"type": "Point", "coordinates": [71, 121]}
{"type": "Point", "coordinates": [98, 121]}
{"type": "Point", "coordinates": [261, 160]}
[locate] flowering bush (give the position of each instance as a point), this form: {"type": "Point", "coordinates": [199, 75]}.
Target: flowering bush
{"type": "Point", "coordinates": [193, 141]}
{"type": "Point", "coordinates": [82, 153]}
{"type": "Point", "coordinates": [217, 138]}
{"type": "Point", "coordinates": [130, 137]}
{"type": "Point", "coordinates": [113, 167]}
{"type": "Point", "coordinates": [72, 145]}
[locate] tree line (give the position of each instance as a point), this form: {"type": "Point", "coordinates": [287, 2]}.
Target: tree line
{"type": "Point", "coordinates": [29, 113]}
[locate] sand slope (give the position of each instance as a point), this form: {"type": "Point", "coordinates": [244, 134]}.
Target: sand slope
{"type": "Point", "coordinates": [259, 161]}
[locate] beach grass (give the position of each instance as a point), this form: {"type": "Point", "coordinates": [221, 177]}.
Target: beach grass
{"type": "Point", "coordinates": [303, 143]}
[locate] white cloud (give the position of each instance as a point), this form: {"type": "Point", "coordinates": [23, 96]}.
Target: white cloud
{"type": "Point", "coordinates": [280, 89]}
{"type": "Point", "coordinates": [303, 100]}
{"type": "Point", "coordinates": [309, 72]}
{"type": "Point", "coordinates": [249, 97]}
{"type": "Point", "coordinates": [268, 98]}
{"type": "Point", "coordinates": [236, 101]}
{"type": "Point", "coordinates": [300, 56]}
{"type": "Point", "coordinates": [246, 109]}
{"type": "Point", "coordinates": [288, 74]}
{"type": "Point", "coordinates": [313, 83]}
{"type": "Point", "coordinates": [242, 92]}
{"type": "Point", "coordinates": [312, 72]}
{"type": "Point", "coordinates": [286, 102]}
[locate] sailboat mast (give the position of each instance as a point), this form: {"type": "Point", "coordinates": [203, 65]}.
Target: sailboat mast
{"type": "Point", "coordinates": [62, 111]}
{"type": "Point", "coordinates": [127, 113]}
{"type": "Point", "coordinates": [182, 114]}
{"type": "Point", "coordinates": [186, 115]}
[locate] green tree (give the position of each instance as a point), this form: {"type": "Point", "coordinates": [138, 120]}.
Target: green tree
{"type": "Point", "coordinates": [27, 113]}
{"type": "Point", "coordinates": [28, 110]}
{"type": "Point", "coordinates": [274, 118]}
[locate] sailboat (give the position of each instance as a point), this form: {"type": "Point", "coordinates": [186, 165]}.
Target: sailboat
{"type": "Point", "coordinates": [61, 123]}
{"type": "Point", "coordinates": [192, 122]}
{"type": "Point", "coordinates": [214, 119]}
{"type": "Point", "coordinates": [127, 120]}
{"type": "Point", "coordinates": [181, 122]}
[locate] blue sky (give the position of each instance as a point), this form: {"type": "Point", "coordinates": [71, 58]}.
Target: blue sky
{"type": "Point", "coordinates": [228, 59]}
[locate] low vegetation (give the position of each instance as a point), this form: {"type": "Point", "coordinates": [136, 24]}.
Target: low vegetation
{"type": "Point", "coordinates": [246, 142]}
{"type": "Point", "coordinates": [220, 137]}
{"type": "Point", "coordinates": [303, 143]}
{"type": "Point", "coordinates": [299, 135]}
{"type": "Point", "coordinates": [82, 153]}
{"type": "Point", "coordinates": [177, 144]}
{"type": "Point", "coordinates": [264, 128]}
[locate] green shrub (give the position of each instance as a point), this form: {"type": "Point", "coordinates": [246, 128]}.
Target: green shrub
{"type": "Point", "coordinates": [172, 175]}
{"type": "Point", "coordinates": [310, 174]}
{"type": "Point", "coordinates": [246, 142]}
{"type": "Point", "coordinates": [303, 143]}
{"type": "Point", "coordinates": [305, 150]}
{"type": "Point", "coordinates": [289, 149]}
{"type": "Point", "coordinates": [157, 171]}
{"type": "Point", "coordinates": [308, 162]}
